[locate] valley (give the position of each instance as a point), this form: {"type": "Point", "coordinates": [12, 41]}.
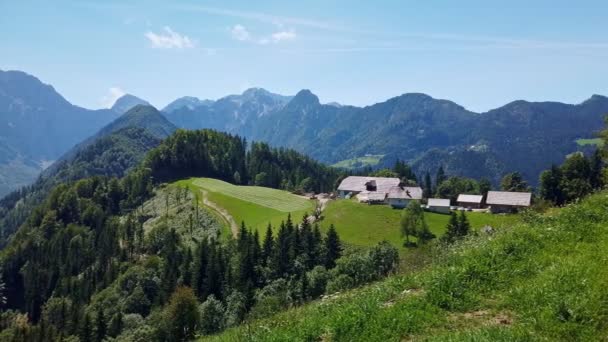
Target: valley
{"type": "Point", "coordinates": [319, 171]}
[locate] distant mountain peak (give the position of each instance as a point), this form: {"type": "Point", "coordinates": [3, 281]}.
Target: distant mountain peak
{"type": "Point", "coordinates": [189, 102]}
{"type": "Point", "coordinates": [124, 103]}
{"type": "Point", "coordinates": [305, 97]}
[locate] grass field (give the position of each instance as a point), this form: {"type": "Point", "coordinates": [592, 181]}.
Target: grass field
{"type": "Point", "coordinates": [256, 206]}
{"type": "Point", "coordinates": [586, 142]}
{"type": "Point", "coordinates": [542, 280]}
{"type": "Point", "coordinates": [369, 160]}
{"type": "Point", "coordinates": [366, 225]}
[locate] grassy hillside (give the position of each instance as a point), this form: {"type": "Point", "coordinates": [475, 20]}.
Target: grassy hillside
{"type": "Point", "coordinates": [359, 162]}
{"type": "Point", "coordinates": [366, 225]}
{"type": "Point", "coordinates": [590, 141]}
{"type": "Point", "coordinates": [257, 206]}
{"type": "Point", "coordinates": [543, 279]}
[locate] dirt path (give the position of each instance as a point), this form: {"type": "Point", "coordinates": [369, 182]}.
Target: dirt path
{"type": "Point", "coordinates": [233, 226]}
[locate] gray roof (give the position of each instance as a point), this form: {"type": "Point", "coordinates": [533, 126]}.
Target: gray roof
{"type": "Point", "coordinates": [438, 202]}
{"type": "Point", "coordinates": [521, 199]}
{"type": "Point", "coordinates": [357, 183]}
{"type": "Point", "coordinates": [375, 196]}
{"type": "Point", "coordinates": [407, 192]}
{"type": "Point", "coordinates": [469, 198]}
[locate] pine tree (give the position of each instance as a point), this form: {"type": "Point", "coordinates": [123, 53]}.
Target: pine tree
{"type": "Point", "coordinates": [428, 186]}
{"type": "Point", "coordinates": [100, 325]}
{"type": "Point", "coordinates": [333, 247]}
{"type": "Point", "coordinates": [440, 177]}
{"type": "Point", "coordinates": [596, 165]}
{"type": "Point", "coordinates": [267, 247]}
{"type": "Point", "coordinates": [86, 334]}
{"type": "Point", "coordinates": [463, 225]}
{"type": "Point", "coordinates": [116, 324]}
{"type": "Point", "coordinates": [452, 229]}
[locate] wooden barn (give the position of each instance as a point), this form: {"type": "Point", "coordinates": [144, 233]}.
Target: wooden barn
{"type": "Point", "coordinates": [508, 202]}
{"type": "Point", "coordinates": [355, 185]}
{"type": "Point", "coordinates": [470, 201]}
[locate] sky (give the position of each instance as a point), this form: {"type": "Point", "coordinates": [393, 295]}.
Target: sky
{"type": "Point", "coordinates": [479, 54]}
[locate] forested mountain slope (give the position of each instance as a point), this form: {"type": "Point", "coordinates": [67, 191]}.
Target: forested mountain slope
{"type": "Point", "coordinates": [37, 125]}
{"type": "Point", "coordinates": [521, 136]}
{"type": "Point", "coordinates": [87, 250]}
{"type": "Point", "coordinates": [110, 152]}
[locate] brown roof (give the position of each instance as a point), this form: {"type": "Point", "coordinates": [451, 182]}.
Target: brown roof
{"type": "Point", "coordinates": [407, 192]}
{"type": "Point", "coordinates": [469, 198]}
{"type": "Point", "coordinates": [357, 183]}
{"type": "Point", "coordinates": [520, 199]}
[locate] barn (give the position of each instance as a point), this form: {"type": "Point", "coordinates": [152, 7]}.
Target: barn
{"type": "Point", "coordinates": [439, 205]}
{"type": "Point", "coordinates": [470, 201]}
{"type": "Point", "coordinates": [354, 185]}
{"type": "Point", "coordinates": [507, 201]}
{"type": "Point", "coordinates": [401, 196]}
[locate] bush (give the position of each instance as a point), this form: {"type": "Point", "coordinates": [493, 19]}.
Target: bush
{"type": "Point", "coordinates": [211, 315]}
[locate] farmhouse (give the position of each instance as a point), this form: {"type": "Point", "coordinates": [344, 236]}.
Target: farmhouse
{"type": "Point", "coordinates": [508, 202]}
{"type": "Point", "coordinates": [355, 185]}
{"type": "Point", "coordinates": [439, 205]}
{"type": "Point", "coordinates": [400, 197]}
{"type": "Point", "coordinates": [470, 201]}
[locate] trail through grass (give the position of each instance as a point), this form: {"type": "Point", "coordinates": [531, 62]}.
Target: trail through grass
{"type": "Point", "coordinates": [256, 206]}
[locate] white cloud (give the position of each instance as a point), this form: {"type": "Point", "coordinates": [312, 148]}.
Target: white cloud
{"type": "Point", "coordinates": [114, 93]}
{"type": "Point", "coordinates": [239, 32]}
{"type": "Point", "coordinates": [280, 36]}
{"type": "Point", "coordinates": [169, 39]}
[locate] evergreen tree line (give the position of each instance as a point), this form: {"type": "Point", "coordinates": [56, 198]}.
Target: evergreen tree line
{"type": "Point", "coordinates": [208, 153]}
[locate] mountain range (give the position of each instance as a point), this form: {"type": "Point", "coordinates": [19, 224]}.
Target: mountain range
{"type": "Point", "coordinates": [38, 126]}
{"type": "Point", "coordinates": [427, 132]}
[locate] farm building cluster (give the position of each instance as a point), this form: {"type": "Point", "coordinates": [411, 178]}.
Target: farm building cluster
{"type": "Point", "coordinates": [391, 191]}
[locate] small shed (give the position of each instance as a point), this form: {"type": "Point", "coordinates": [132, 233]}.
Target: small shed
{"type": "Point", "coordinates": [470, 201]}
{"type": "Point", "coordinates": [401, 196]}
{"type": "Point", "coordinates": [507, 201]}
{"type": "Point", "coordinates": [439, 205]}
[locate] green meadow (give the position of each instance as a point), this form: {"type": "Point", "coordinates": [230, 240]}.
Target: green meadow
{"type": "Point", "coordinates": [542, 279]}
{"type": "Point", "coordinates": [254, 205]}
{"type": "Point", "coordinates": [590, 141]}
{"type": "Point", "coordinates": [365, 225]}
{"type": "Point", "coordinates": [353, 163]}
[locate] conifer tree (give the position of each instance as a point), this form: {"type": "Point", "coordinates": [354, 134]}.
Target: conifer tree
{"type": "Point", "coordinates": [452, 229]}
{"type": "Point", "coordinates": [100, 325]}
{"type": "Point", "coordinates": [115, 326]}
{"type": "Point", "coordinates": [463, 225]}
{"type": "Point", "coordinates": [86, 334]}
{"type": "Point", "coordinates": [267, 247]}
{"type": "Point", "coordinates": [333, 247]}
{"type": "Point", "coordinates": [440, 177]}
{"type": "Point", "coordinates": [428, 186]}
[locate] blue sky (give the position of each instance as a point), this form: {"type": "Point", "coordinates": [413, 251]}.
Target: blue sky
{"type": "Point", "coordinates": [480, 54]}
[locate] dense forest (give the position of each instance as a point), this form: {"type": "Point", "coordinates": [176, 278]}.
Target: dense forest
{"type": "Point", "coordinates": [212, 154]}
{"type": "Point", "coordinates": [83, 266]}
